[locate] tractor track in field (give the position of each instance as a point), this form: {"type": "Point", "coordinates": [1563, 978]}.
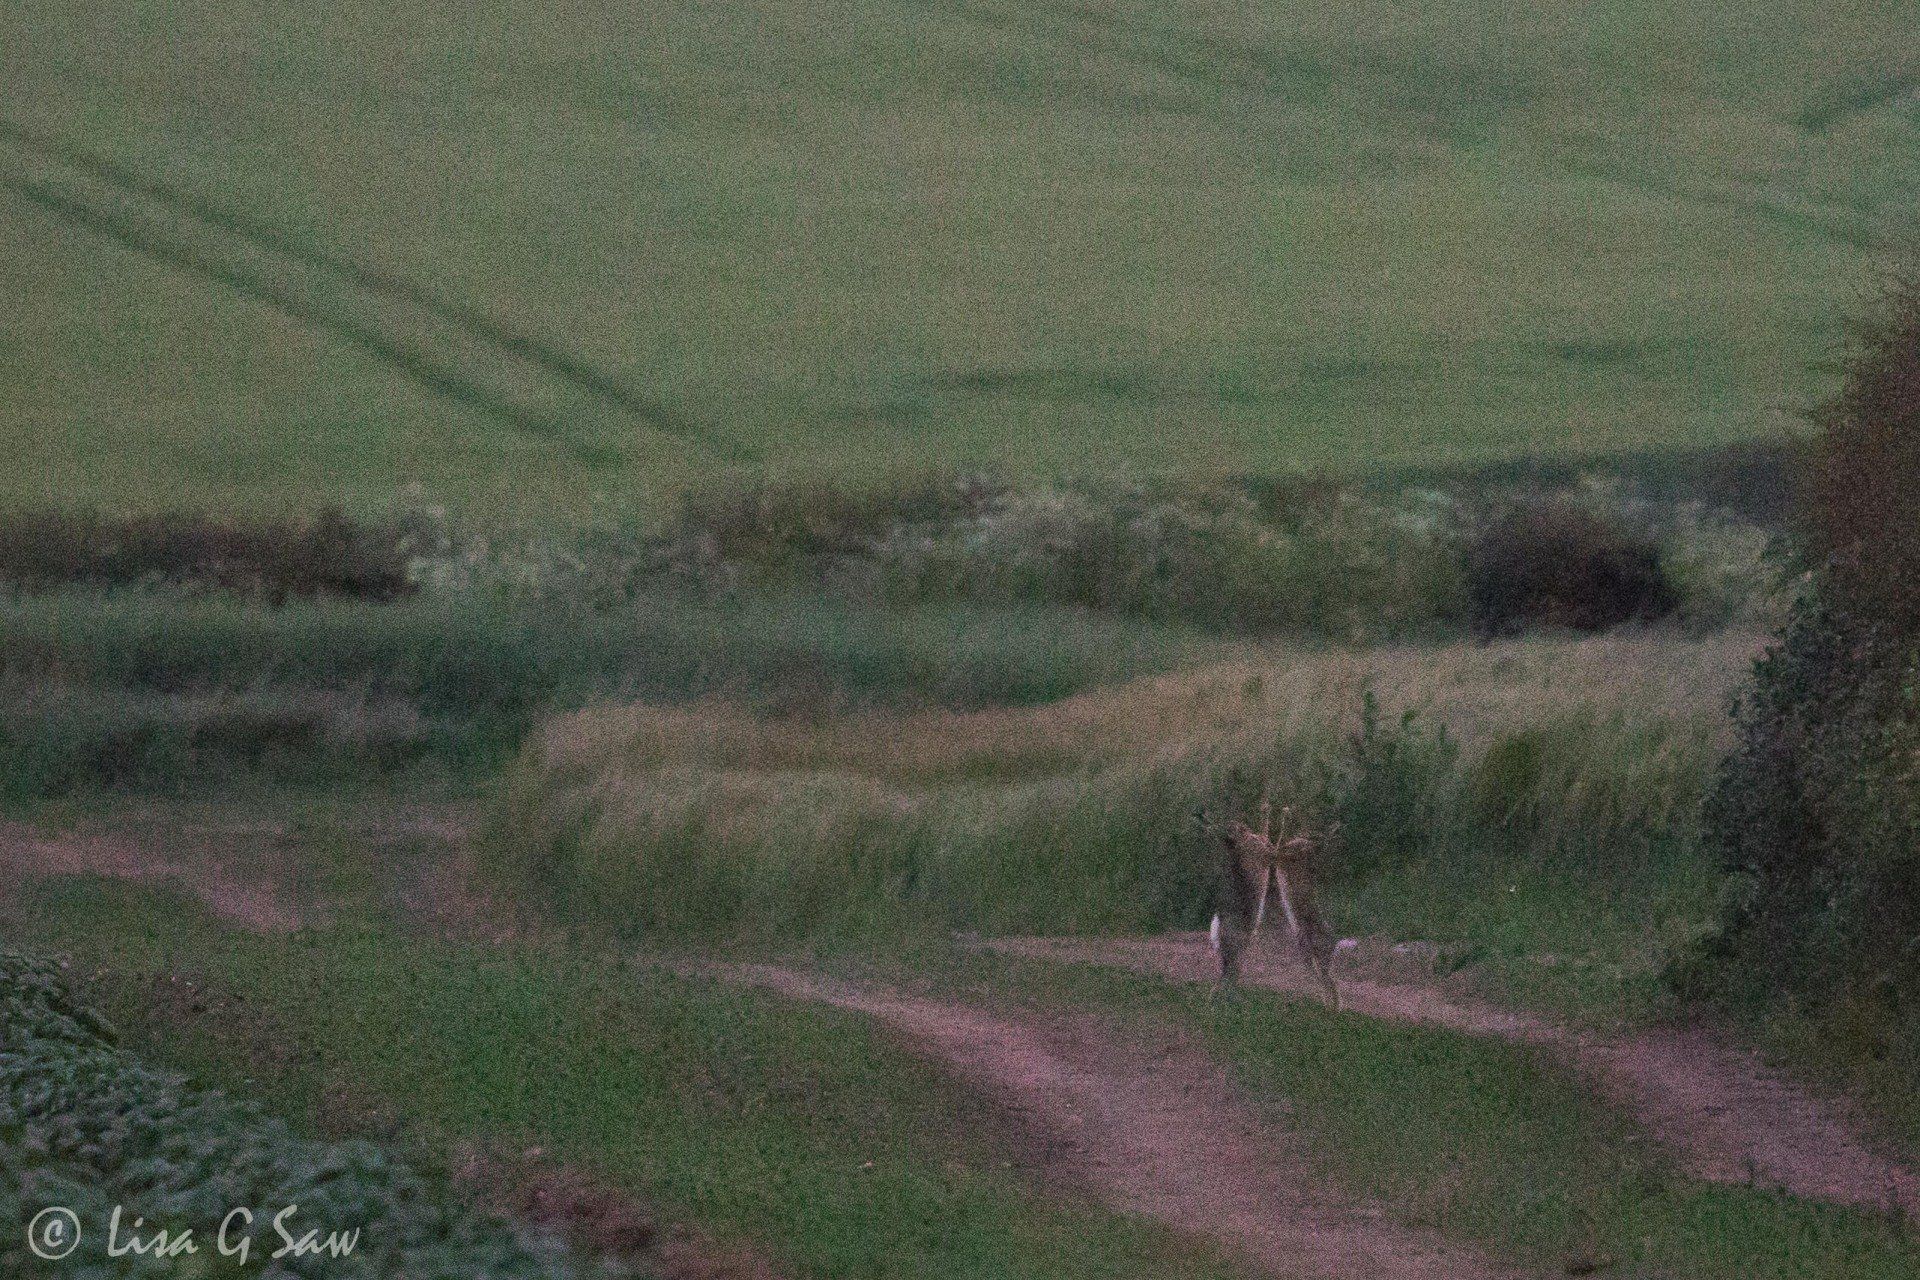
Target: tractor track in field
{"type": "Point", "coordinates": [1725, 1115]}
{"type": "Point", "coordinates": [262, 263]}
{"type": "Point", "coordinates": [1158, 1131]}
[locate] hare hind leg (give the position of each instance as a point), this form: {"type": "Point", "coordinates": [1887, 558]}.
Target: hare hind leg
{"type": "Point", "coordinates": [1311, 938]}
{"type": "Point", "coordinates": [1319, 959]}
{"type": "Point", "coordinates": [1238, 920]}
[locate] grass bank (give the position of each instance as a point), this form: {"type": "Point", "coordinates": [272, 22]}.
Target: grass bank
{"type": "Point", "coordinates": [1516, 799]}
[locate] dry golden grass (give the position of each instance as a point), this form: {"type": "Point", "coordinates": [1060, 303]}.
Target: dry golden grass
{"type": "Point", "coordinates": [1584, 759]}
{"type": "Point", "coordinates": [1476, 691]}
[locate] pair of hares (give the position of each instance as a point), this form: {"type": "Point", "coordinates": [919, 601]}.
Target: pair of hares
{"type": "Point", "coordinates": [1261, 860]}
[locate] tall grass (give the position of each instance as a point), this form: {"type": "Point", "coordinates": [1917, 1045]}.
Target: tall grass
{"type": "Point", "coordinates": [153, 689]}
{"type": "Point", "coordinates": [1579, 759]}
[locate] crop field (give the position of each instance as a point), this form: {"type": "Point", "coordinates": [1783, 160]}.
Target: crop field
{"type": "Point", "coordinates": [542, 263]}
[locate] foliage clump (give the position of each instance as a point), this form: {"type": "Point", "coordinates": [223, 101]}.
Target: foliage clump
{"type": "Point", "coordinates": [328, 554]}
{"type": "Point", "coordinates": [1562, 564]}
{"type": "Point", "coordinates": [1817, 810]}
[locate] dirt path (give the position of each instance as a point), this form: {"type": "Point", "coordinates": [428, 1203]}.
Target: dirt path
{"type": "Point", "coordinates": [1724, 1113]}
{"type": "Point", "coordinates": [1162, 1134]}
{"type": "Point", "coordinates": [255, 901]}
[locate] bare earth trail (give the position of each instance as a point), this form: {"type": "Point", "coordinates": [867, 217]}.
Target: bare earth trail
{"type": "Point", "coordinates": [1148, 1131]}
{"type": "Point", "coordinates": [1161, 1134]}
{"type": "Point", "coordinates": [1726, 1115]}
{"type": "Point", "coordinates": [254, 899]}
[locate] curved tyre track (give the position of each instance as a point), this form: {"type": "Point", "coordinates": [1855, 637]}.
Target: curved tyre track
{"type": "Point", "coordinates": [1726, 1115]}
{"type": "Point", "coordinates": [1160, 1134]}
{"type": "Point", "coordinates": [447, 347]}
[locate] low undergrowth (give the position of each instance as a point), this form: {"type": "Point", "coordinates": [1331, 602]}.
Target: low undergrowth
{"type": "Point", "coordinates": [161, 692]}
{"type": "Point", "coordinates": [154, 653]}
{"type": "Point", "coordinates": [1298, 557]}
{"type": "Point", "coordinates": [328, 554]}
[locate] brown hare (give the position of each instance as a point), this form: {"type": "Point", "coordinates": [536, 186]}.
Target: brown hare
{"type": "Point", "coordinates": [1260, 860]}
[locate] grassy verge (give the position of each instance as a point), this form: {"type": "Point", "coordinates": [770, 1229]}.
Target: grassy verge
{"type": "Point", "coordinates": [804, 1131]}
{"type": "Point", "coordinates": [1486, 1141]}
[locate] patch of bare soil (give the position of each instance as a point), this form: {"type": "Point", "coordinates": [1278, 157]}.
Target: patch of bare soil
{"type": "Point", "coordinates": [446, 900]}
{"type": "Point", "coordinates": [599, 1219]}
{"type": "Point", "coordinates": [1161, 1133]}
{"type": "Point", "coordinates": [254, 901]}
{"type": "Point", "coordinates": [1726, 1115]}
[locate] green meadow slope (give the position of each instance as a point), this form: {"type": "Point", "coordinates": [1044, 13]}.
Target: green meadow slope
{"type": "Point", "coordinates": [542, 258]}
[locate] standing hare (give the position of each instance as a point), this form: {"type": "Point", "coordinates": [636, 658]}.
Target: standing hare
{"type": "Point", "coordinates": [1257, 860]}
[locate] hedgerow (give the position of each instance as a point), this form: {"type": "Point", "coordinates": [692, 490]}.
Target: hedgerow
{"type": "Point", "coordinates": [1817, 810]}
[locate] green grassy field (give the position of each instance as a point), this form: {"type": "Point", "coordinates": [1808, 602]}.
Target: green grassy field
{"type": "Point", "coordinates": [810, 1134]}
{"type": "Point", "coordinates": [815, 1136]}
{"type": "Point", "coordinates": [544, 262]}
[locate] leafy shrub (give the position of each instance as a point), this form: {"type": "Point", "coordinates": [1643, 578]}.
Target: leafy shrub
{"type": "Point", "coordinates": [86, 1125]}
{"type": "Point", "coordinates": [1862, 511]}
{"type": "Point", "coordinates": [327, 555]}
{"type": "Point", "coordinates": [1562, 564]}
{"type": "Point", "coordinates": [1225, 557]}
{"type": "Point", "coordinates": [1817, 811]}
{"type": "Point", "coordinates": [1394, 788]}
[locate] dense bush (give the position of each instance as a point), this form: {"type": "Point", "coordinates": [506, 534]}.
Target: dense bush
{"type": "Point", "coordinates": [1563, 564]}
{"type": "Point", "coordinates": [88, 1126]}
{"type": "Point", "coordinates": [1817, 811]}
{"type": "Point", "coordinates": [327, 555]}
{"type": "Point", "coordinates": [1862, 513]}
